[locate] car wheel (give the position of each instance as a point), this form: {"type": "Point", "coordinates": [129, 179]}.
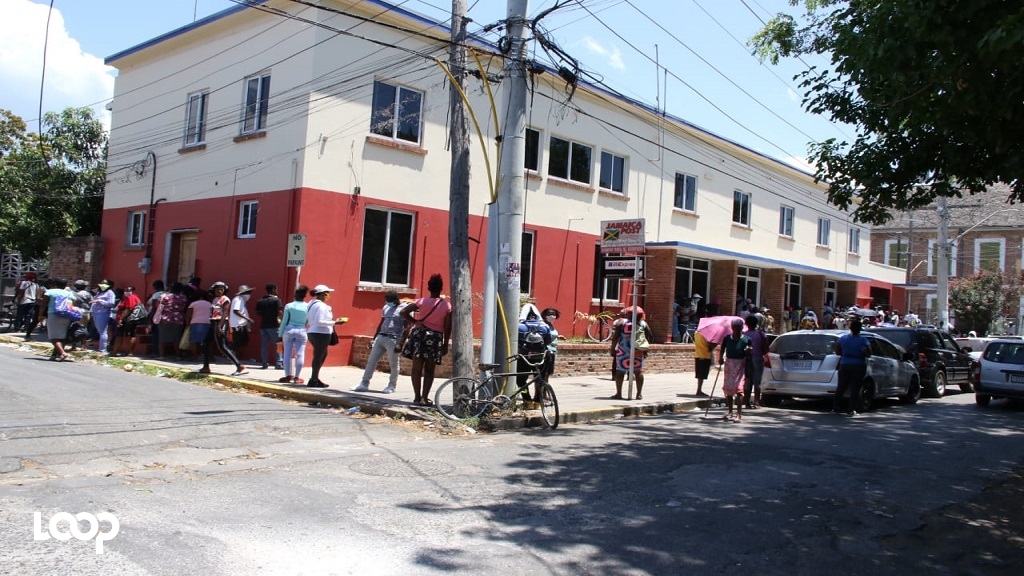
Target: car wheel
{"type": "Point", "coordinates": [982, 399]}
{"type": "Point", "coordinates": [913, 392]}
{"type": "Point", "coordinates": [938, 385]}
{"type": "Point", "coordinates": [867, 397]}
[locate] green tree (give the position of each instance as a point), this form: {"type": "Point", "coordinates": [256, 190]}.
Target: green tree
{"type": "Point", "coordinates": [982, 299]}
{"type": "Point", "coordinates": [935, 91]}
{"type": "Point", "coordinates": [51, 184]}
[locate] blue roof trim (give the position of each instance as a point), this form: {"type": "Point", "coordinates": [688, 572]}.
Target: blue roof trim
{"type": "Point", "coordinates": [779, 263]}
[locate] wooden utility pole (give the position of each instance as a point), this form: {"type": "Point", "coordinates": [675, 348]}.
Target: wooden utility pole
{"type": "Point", "coordinates": [458, 201]}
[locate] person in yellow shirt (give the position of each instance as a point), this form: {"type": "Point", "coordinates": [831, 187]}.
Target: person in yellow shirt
{"type": "Point", "coordinates": [702, 360]}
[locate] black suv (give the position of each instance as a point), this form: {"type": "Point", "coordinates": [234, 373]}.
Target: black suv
{"type": "Point", "coordinates": [938, 357]}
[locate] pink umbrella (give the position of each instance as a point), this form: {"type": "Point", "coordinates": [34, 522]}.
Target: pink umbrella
{"type": "Point", "coordinates": [714, 329]}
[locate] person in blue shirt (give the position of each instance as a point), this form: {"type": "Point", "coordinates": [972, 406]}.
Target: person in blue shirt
{"type": "Point", "coordinates": [854, 350]}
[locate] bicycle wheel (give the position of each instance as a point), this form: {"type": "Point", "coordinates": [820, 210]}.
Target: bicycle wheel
{"type": "Point", "coordinates": [461, 398]}
{"type": "Point", "coordinates": [600, 330]}
{"type": "Point", "coordinates": [548, 405]}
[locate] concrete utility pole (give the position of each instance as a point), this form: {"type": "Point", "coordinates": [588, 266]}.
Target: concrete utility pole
{"type": "Point", "coordinates": [458, 202]}
{"type": "Point", "coordinates": [511, 191]}
{"type": "Point", "coordinates": [942, 264]}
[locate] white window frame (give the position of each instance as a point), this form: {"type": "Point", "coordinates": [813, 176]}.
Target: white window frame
{"type": "Point", "coordinates": [790, 282]}
{"type": "Point", "coordinates": [931, 308]}
{"type": "Point", "coordinates": [824, 231]}
{"type": "Point", "coordinates": [740, 197]}
{"type": "Point", "coordinates": [195, 120]}
{"type": "Point", "coordinates": [528, 259]}
{"type": "Point", "coordinates": [386, 248]}
{"type": "Point", "coordinates": [854, 247]}
{"type": "Point", "coordinates": [568, 161]}
{"type": "Point", "coordinates": [248, 214]}
{"type": "Point", "coordinates": [977, 252]}
{"type": "Point", "coordinates": [609, 160]}
{"type": "Point", "coordinates": [892, 248]}
{"type": "Point", "coordinates": [787, 218]}
{"type": "Point", "coordinates": [136, 236]}
{"type": "Point", "coordinates": [931, 261]}
{"type": "Point", "coordinates": [538, 159]}
{"type": "Point", "coordinates": [396, 111]}
{"type": "Point", "coordinates": [255, 110]}
{"type": "Point", "coordinates": [688, 182]}
{"type": "Point", "coordinates": [831, 292]}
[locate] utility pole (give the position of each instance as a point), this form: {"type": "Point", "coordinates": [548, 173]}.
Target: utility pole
{"type": "Point", "coordinates": [511, 192]}
{"type": "Point", "coordinates": [942, 263]}
{"type": "Point", "coordinates": [458, 201]}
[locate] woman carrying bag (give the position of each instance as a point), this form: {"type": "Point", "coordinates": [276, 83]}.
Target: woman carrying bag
{"type": "Point", "coordinates": [321, 322]}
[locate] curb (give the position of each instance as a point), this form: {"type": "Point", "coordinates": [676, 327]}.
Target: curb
{"type": "Point", "coordinates": [531, 419]}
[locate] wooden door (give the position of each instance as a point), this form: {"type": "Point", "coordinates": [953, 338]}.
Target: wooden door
{"type": "Point", "coordinates": [186, 261]}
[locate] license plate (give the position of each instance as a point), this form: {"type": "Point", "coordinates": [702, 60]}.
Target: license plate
{"type": "Point", "coordinates": [800, 364]}
{"type": "Point", "coordinates": [1016, 378]}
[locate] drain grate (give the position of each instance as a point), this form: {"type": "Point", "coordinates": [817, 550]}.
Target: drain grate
{"type": "Point", "coordinates": [401, 468]}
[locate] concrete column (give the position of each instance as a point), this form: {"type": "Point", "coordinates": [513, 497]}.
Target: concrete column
{"type": "Point", "coordinates": [660, 292]}
{"type": "Point", "coordinates": [723, 286]}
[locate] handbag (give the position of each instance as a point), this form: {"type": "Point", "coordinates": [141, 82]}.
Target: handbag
{"type": "Point", "coordinates": [138, 314]}
{"type": "Point", "coordinates": [641, 342]}
{"type": "Point", "coordinates": [184, 343]}
{"type": "Point", "coordinates": [334, 339]}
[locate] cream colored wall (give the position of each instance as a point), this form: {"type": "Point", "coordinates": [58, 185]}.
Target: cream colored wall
{"type": "Point", "coordinates": [149, 109]}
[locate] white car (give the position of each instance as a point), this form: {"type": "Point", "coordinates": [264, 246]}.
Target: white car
{"type": "Point", "coordinates": [977, 343]}
{"type": "Point", "coordinates": [1000, 372]}
{"type": "Point", "coordinates": [802, 364]}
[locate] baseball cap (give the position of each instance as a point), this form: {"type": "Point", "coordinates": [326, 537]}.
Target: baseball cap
{"type": "Point", "coordinates": [322, 288]}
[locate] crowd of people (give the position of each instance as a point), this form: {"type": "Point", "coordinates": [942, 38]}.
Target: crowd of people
{"type": "Point", "coordinates": [184, 321]}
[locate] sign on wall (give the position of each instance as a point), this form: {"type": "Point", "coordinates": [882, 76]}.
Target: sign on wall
{"type": "Point", "coordinates": [296, 250]}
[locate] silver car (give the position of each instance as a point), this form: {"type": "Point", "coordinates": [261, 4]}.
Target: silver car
{"type": "Point", "coordinates": [1000, 372]}
{"type": "Point", "coordinates": [802, 364]}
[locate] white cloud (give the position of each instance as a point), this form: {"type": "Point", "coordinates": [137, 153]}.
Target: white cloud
{"type": "Point", "coordinates": [612, 56]}
{"type": "Point", "coordinates": [73, 77]}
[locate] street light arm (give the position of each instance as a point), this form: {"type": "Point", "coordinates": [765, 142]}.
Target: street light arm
{"type": "Point", "coordinates": [982, 221]}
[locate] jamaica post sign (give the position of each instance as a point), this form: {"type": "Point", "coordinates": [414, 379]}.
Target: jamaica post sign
{"type": "Point", "coordinates": [622, 237]}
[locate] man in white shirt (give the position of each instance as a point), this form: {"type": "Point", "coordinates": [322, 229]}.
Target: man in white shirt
{"type": "Point", "coordinates": [26, 295]}
{"type": "Point", "coordinates": [240, 321]}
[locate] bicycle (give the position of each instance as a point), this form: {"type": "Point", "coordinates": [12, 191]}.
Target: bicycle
{"type": "Point", "coordinates": [687, 333]}
{"type": "Point", "coordinates": [600, 325]}
{"type": "Point", "coordinates": [465, 397]}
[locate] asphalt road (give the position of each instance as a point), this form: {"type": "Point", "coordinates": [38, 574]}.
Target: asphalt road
{"type": "Point", "coordinates": [207, 481]}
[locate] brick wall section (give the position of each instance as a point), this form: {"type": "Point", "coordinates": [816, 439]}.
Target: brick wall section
{"type": "Point", "coordinates": [773, 293]}
{"type": "Point", "coordinates": [68, 258]}
{"type": "Point", "coordinates": [846, 293]}
{"type": "Point", "coordinates": [723, 286]}
{"type": "Point", "coordinates": [660, 292]}
{"type": "Point", "coordinates": [574, 359]}
{"type": "Point", "coordinates": [813, 293]}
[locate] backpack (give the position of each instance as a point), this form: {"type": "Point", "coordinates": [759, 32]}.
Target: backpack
{"type": "Point", "coordinates": [641, 342]}
{"type": "Point", "coordinates": [531, 343]}
{"type": "Point", "coordinates": [64, 306]}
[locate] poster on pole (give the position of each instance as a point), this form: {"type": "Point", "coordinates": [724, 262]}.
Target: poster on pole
{"type": "Point", "coordinates": [625, 237]}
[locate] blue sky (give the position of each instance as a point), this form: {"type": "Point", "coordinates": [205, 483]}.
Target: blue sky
{"type": "Point", "coordinates": [707, 76]}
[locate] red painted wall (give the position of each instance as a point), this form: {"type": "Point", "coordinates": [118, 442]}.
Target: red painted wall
{"type": "Point", "coordinates": [333, 223]}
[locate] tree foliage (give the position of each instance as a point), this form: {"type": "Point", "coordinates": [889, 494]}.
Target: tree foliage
{"type": "Point", "coordinates": [982, 299]}
{"type": "Point", "coordinates": [935, 91]}
{"type": "Point", "coordinates": [51, 184]}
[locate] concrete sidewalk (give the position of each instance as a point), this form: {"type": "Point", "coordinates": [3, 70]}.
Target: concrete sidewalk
{"type": "Point", "coordinates": [580, 398]}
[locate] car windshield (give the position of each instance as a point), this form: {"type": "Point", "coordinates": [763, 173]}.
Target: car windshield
{"type": "Point", "coordinates": [1005, 352]}
{"type": "Point", "coordinates": [902, 337]}
{"type": "Point", "coordinates": [818, 345]}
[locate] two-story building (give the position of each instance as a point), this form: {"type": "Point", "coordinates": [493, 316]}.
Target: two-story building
{"type": "Point", "coordinates": [231, 134]}
{"type": "Point", "coordinates": [984, 233]}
